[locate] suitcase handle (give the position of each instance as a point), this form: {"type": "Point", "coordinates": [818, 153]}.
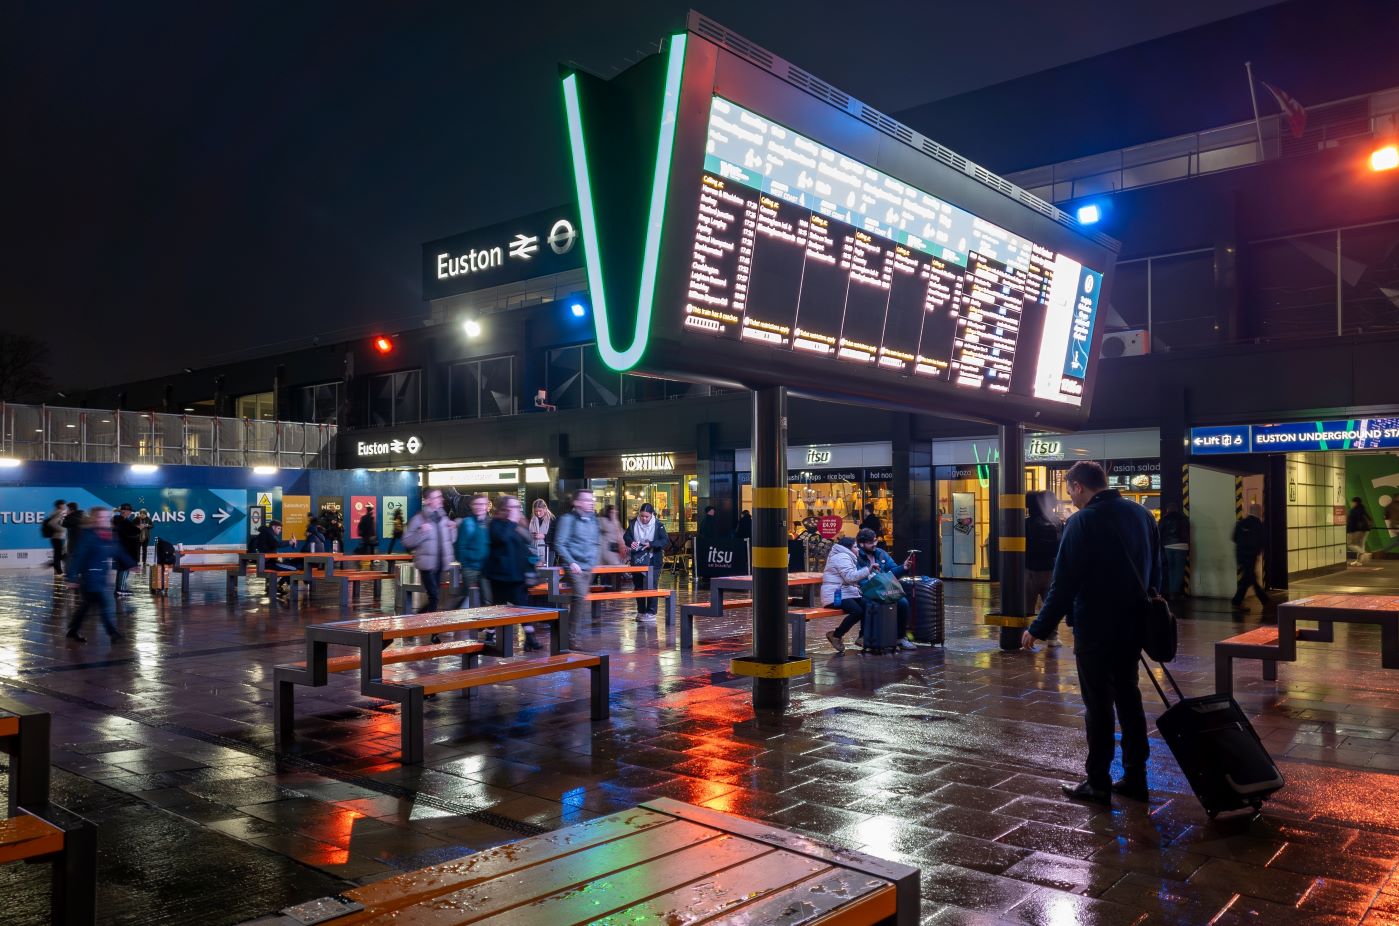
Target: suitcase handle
{"type": "Point", "coordinates": [1157, 685]}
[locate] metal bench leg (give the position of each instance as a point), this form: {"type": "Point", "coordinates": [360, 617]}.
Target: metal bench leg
{"type": "Point", "coordinates": [599, 700]}
{"type": "Point", "coordinates": [1223, 672]}
{"type": "Point", "coordinates": [1389, 645]}
{"type": "Point", "coordinates": [670, 611]}
{"type": "Point", "coordinates": [687, 630]}
{"type": "Point", "coordinates": [469, 661]}
{"type": "Point", "coordinates": [284, 713]}
{"type": "Point", "coordinates": [74, 897]}
{"type": "Point", "coordinates": [1270, 670]}
{"type": "Point", "coordinates": [411, 727]}
{"type": "Point", "coordinates": [344, 595]}
{"type": "Point", "coordinates": [231, 586]}
{"type": "Point", "coordinates": [184, 584]}
{"type": "Point", "coordinates": [796, 625]}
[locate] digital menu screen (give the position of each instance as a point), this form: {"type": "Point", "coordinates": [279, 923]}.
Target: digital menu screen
{"type": "Point", "coordinates": [800, 248]}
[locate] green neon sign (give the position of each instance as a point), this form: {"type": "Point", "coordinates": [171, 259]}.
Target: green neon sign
{"type": "Point", "coordinates": [622, 357]}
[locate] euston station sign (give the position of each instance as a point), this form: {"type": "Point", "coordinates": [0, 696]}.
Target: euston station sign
{"type": "Point", "coordinates": [386, 448]}
{"type": "Point", "coordinates": [532, 246]}
{"type": "Point", "coordinates": [1296, 437]}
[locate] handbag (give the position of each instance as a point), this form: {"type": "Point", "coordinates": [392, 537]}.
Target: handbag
{"type": "Point", "coordinates": [881, 587]}
{"type": "Point", "coordinates": [1158, 622]}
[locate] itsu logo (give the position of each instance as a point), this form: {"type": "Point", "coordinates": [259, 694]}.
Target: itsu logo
{"type": "Point", "coordinates": [720, 558]}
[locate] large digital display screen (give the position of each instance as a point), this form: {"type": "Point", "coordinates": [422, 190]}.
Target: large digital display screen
{"type": "Point", "coordinates": [799, 248]}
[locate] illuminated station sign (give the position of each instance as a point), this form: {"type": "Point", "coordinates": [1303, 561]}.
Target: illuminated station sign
{"type": "Point", "coordinates": [763, 230]}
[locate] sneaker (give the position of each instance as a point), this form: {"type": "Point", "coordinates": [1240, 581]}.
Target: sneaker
{"type": "Point", "coordinates": [646, 618]}
{"type": "Point", "coordinates": [1054, 641]}
{"type": "Point", "coordinates": [836, 642]}
{"type": "Point", "coordinates": [906, 644]}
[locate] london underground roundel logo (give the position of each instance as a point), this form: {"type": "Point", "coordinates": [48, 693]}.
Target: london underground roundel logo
{"type": "Point", "coordinates": [414, 445]}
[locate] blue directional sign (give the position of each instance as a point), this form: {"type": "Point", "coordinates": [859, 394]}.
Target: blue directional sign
{"type": "Point", "coordinates": [1230, 439]}
{"type": "Point", "coordinates": [192, 516]}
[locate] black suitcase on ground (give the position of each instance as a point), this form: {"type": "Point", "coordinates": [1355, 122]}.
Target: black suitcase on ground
{"type": "Point", "coordinates": [880, 627]}
{"type": "Point", "coordinates": [927, 617]}
{"type": "Point", "coordinates": [1216, 747]}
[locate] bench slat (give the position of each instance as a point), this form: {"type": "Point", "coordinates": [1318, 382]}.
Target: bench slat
{"type": "Point", "coordinates": [27, 836]}
{"type": "Point", "coordinates": [211, 567]}
{"type": "Point", "coordinates": [396, 654]}
{"type": "Point", "coordinates": [626, 596]}
{"type": "Point", "coordinates": [362, 576]}
{"type": "Point", "coordinates": [493, 674]}
{"type": "Point", "coordinates": [1259, 636]}
{"type": "Point", "coordinates": [812, 614]}
{"type": "Point", "coordinates": [9, 725]}
{"type": "Point", "coordinates": [826, 900]}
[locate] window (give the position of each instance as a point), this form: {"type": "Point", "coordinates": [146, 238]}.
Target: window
{"type": "Point", "coordinates": [1295, 290]}
{"type": "Point", "coordinates": [261, 406]}
{"type": "Point", "coordinates": [395, 398]}
{"type": "Point", "coordinates": [481, 388]}
{"type": "Point", "coordinates": [319, 403]}
{"type": "Point", "coordinates": [577, 378]}
{"type": "Point", "coordinates": [1183, 301]}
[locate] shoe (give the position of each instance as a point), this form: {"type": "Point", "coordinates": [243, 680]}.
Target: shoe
{"type": "Point", "coordinates": [1136, 790]}
{"type": "Point", "coordinates": [1054, 642]}
{"type": "Point", "coordinates": [860, 642]}
{"type": "Point", "coordinates": [1085, 792]}
{"type": "Point", "coordinates": [436, 639]}
{"type": "Point", "coordinates": [532, 644]}
{"type": "Point", "coordinates": [906, 644]}
{"type": "Point", "coordinates": [74, 635]}
{"type": "Point", "coordinates": [647, 618]}
{"type": "Point", "coordinates": [836, 642]}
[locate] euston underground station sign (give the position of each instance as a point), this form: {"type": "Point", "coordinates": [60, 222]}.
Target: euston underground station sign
{"type": "Point", "coordinates": [1296, 437]}
{"type": "Point", "coordinates": [521, 249]}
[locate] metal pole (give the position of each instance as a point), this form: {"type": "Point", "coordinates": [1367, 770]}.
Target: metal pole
{"type": "Point", "coordinates": [1257, 123]}
{"type": "Point", "coordinates": [1012, 533]}
{"type": "Point", "coordinates": [1339, 293]}
{"type": "Point", "coordinates": [769, 554]}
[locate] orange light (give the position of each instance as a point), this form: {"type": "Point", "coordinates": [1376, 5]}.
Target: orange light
{"type": "Point", "coordinates": [1386, 158]}
{"type": "Point", "coordinates": [383, 345]}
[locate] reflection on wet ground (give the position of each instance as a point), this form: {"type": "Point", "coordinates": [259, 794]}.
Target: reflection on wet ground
{"type": "Point", "coordinates": [949, 759]}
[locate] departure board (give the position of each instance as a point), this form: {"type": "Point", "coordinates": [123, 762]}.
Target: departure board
{"type": "Point", "coordinates": [800, 248]}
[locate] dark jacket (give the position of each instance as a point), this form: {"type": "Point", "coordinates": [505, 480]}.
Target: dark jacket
{"type": "Point", "coordinates": [1041, 543]}
{"type": "Point", "coordinates": [128, 534]}
{"type": "Point", "coordinates": [659, 541]}
{"type": "Point", "coordinates": [1094, 583]}
{"type": "Point", "coordinates": [368, 530]}
{"type": "Point", "coordinates": [1248, 539]}
{"type": "Point", "coordinates": [511, 557]}
{"type": "Point", "coordinates": [1175, 528]}
{"type": "Point", "coordinates": [1358, 519]}
{"type": "Point", "coordinates": [314, 541]}
{"type": "Point", "coordinates": [880, 556]}
{"type": "Point", "coordinates": [872, 522]}
{"type": "Point", "coordinates": [266, 541]}
{"type": "Point", "coordinates": [709, 527]}
{"type": "Point", "coordinates": [93, 559]}
{"type": "Point", "coordinates": [744, 530]}
{"type": "Point", "coordinates": [473, 542]}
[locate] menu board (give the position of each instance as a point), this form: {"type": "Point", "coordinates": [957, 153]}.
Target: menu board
{"type": "Point", "coordinates": [799, 248]}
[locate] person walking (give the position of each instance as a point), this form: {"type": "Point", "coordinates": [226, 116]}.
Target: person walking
{"type": "Point", "coordinates": [73, 527]}
{"type": "Point", "coordinates": [541, 528]}
{"type": "Point", "coordinates": [473, 545]}
{"type": "Point", "coordinates": [744, 530]}
{"type": "Point", "coordinates": [57, 535]}
{"type": "Point", "coordinates": [1109, 556]}
{"type": "Point", "coordinates": [88, 565]}
{"type": "Point", "coordinates": [368, 532]}
{"type": "Point", "coordinates": [1042, 534]}
{"type": "Point", "coordinates": [128, 536]}
{"type": "Point", "coordinates": [511, 561]}
{"type": "Point", "coordinates": [144, 524]}
{"type": "Point", "coordinates": [609, 538]}
{"type": "Point", "coordinates": [576, 541]}
{"type": "Point", "coordinates": [646, 541]}
{"type": "Point", "coordinates": [1175, 541]}
{"type": "Point", "coordinates": [396, 537]}
{"type": "Point", "coordinates": [429, 537]}
{"type": "Point", "coordinates": [1248, 546]}
{"type": "Point", "coordinates": [1358, 527]}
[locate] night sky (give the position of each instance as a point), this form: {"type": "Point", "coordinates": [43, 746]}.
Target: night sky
{"type": "Point", "coordinates": [190, 181]}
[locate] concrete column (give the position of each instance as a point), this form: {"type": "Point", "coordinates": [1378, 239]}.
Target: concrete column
{"type": "Point", "coordinates": [1011, 536]}
{"type": "Point", "coordinates": [770, 686]}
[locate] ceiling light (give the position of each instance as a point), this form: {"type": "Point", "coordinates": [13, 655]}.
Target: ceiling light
{"type": "Point", "coordinates": [143, 469]}
{"type": "Point", "coordinates": [472, 328]}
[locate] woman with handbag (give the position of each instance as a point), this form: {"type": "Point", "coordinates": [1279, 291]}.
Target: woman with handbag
{"type": "Point", "coordinates": [874, 566]}
{"type": "Point", "coordinates": [541, 529]}
{"type": "Point", "coordinates": [510, 564]}
{"type": "Point", "coordinates": [646, 541]}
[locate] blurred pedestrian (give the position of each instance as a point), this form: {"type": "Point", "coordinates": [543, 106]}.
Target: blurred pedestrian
{"type": "Point", "coordinates": [1249, 537]}
{"type": "Point", "coordinates": [128, 536]}
{"type": "Point", "coordinates": [1042, 533]}
{"type": "Point", "coordinates": [510, 564]}
{"type": "Point", "coordinates": [1175, 542]}
{"type": "Point", "coordinates": [368, 533]}
{"type": "Point", "coordinates": [57, 535]}
{"type": "Point", "coordinates": [430, 537]}
{"type": "Point", "coordinates": [143, 524]}
{"type": "Point", "coordinates": [88, 565]}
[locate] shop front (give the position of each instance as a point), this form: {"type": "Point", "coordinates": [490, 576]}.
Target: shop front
{"type": "Point", "coordinates": [965, 474]}
{"type": "Point", "coordinates": [829, 487]}
{"type": "Point", "coordinates": [666, 479]}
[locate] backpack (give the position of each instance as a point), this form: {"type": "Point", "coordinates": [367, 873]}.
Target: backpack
{"type": "Point", "coordinates": [164, 552]}
{"type": "Point", "coordinates": [46, 529]}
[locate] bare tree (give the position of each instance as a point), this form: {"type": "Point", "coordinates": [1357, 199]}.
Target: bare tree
{"type": "Point", "coordinates": [23, 377]}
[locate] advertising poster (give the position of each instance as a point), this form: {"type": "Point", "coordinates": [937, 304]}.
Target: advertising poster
{"type": "Point", "coordinates": [828, 526]}
{"type": "Point", "coordinates": [963, 528]}
{"type": "Point", "coordinates": [189, 516]}
{"type": "Point", "coordinates": [359, 504]}
{"type": "Point", "coordinates": [329, 505]}
{"type": "Point", "coordinates": [296, 510]}
{"type": "Point", "coordinates": [394, 505]}
{"type": "Point", "coordinates": [1375, 479]}
{"type": "Point", "coordinates": [726, 557]}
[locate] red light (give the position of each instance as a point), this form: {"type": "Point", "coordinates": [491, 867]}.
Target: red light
{"type": "Point", "coordinates": [383, 345]}
{"type": "Point", "coordinates": [1386, 158]}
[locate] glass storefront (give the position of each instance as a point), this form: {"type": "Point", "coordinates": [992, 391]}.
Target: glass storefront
{"type": "Point", "coordinates": [667, 481]}
{"type": "Point", "coordinates": [836, 498]}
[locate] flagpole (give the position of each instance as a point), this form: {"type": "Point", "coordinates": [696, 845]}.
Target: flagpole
{"type": "Point", "coordinates": [1252, 95]}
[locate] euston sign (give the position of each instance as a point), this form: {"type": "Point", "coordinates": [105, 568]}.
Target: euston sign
{"type": "Point", "coordinates": [387, 448]}
{"type": "Point", "coordinates": [533, 246]}
{"type": "Point", "coordinates": [1343, 434]}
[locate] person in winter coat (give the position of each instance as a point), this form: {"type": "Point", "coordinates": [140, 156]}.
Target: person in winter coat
{"type": "Point", "coordinates": [510, 564]}
{"type": "Point", "coordinates": [314, 541]}
{"type": "Point", "coordinates": [840, 588]}
{"type": "Point", "coordinates": [430, 537]}
{"type": "Point", "coordinates": [576, 540]}
{"type": "Point", "coordinates": [609, 537]}
{"type": "Point", "coordinates": [73, 527]}
{"type": "Point", "coordinates": [472, 547]}
{"type": "Point", "coordinates": [541, 528]}
{"type": "Point", "coordinates": [1042, 532]}
{"type": "Point", "coordinates": [368, 533]}
{"type": "Point", "coordinates": [869, 559]}
{"type": "Point", "coordinates": [143, 524]}
{"type": "Point", "coordinates": [269, 543]}
{"type": "Point", "coordinates": [97, 552]}
{"type": "Point", "coordinates": [57, 534]}
{"type": "Point", "coordinates": [1358, 527]}
{"type": "Point", "coordinates": [744, 530]}
{"type": "Point", "coordinates": [397, 536]}
{"type": "Point", "coordinates": [1249, 539]}
{"type": "Point", "coordinates": [128, 535]}
{"type": "Point", "coordinates": [646, 539]}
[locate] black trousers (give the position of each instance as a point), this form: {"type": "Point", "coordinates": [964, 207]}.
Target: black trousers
{"type": "Point", "coordinates": [57, 555]}
{"type": "Point", "coordinates": [1107, 679]}
{"type": "Point", "coordinates": [1248, 578]}
{"type": "Point", "coordinates": [432, 587]}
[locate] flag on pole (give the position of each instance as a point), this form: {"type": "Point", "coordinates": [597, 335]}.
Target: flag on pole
{"type": "Point", "coordinates": [1296, 114]}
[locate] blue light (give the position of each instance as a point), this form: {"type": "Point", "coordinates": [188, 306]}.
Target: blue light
{"type": "Point", "coordinates": [578, 310]}
{"type": "Point", "coordinates": [1089, 214]}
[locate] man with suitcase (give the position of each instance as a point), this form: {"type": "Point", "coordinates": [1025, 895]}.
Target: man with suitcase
{"type": "Point", "coordinates": [1109, 557]}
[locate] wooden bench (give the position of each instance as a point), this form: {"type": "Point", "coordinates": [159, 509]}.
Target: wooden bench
{"type": "Point", "coordinates": [661, 862]}
{"type": "Point", "coordinates": [351, 579]}
{"type": "Point", "coordinates": [597, 598]}
{"type": "Point", "coordinates": [416, 686]}
{"type": "Point", "coordinates": [468, 649]}
{"type": "Point", "coordinates": [797, 619]}
{"type": "Point", "coordinates": [231, 570]}
{"type": "Point", "coordinates": [688, 613]}
{"type": "Point", "coordinates": [1264, 644]}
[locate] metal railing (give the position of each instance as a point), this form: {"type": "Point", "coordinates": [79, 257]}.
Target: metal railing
{"type": "Point", "coordinates": [1211, 150]}
{"type": "Point", "coordinates": [85, 435]}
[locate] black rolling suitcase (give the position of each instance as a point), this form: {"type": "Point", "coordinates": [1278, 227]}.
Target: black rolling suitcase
{"type": "Point", "coordinates": [880, 627]}
{"type": "Point", "coordinates": [1216, 747]}
{"type": "Point", "coordinates": [927, 617]}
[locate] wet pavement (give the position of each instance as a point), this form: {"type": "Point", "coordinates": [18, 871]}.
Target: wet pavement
{"type": "Point", "coordinates": [947, 758]}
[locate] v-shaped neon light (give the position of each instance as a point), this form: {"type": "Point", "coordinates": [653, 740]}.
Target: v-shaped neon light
{"type": "Point", "coordinates": [623, 359]}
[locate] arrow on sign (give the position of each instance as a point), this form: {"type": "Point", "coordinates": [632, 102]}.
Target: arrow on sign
{"type": "Point", "coordinates": [222, 516]}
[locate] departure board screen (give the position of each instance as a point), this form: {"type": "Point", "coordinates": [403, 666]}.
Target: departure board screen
{"type": "Point", "coordinates": [800, 248]}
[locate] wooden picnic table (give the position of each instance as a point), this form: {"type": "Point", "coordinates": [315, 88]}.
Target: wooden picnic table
{"type": "Point", "coordinates": [328, 560]}
{"type": "Point", "coordinates": [661, 862]}
{"type": "Point", "coordinates": [1329, 610]}
{"type": "Point", "coordinates": [554, 575]}
{"type": "Point", "coordinates": [808, 582]}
